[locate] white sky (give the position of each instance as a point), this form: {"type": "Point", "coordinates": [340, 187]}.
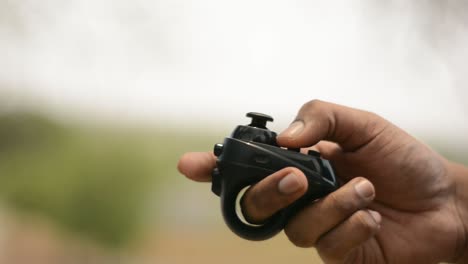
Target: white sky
{"type": "Point", "coordinates": [213, 61]}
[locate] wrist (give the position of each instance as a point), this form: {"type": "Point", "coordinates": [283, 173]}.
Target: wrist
{"type": "Point", "coordinates": [459, 175]}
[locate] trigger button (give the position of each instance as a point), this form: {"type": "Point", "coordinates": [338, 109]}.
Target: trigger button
{"type": "Point", "coordinates": [216, 182]}
{"type": "Point", "coordinates": [314, 153]}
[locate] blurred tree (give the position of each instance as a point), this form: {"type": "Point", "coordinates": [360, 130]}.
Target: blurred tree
{"type": "Point", "coordinates": [94, 182]}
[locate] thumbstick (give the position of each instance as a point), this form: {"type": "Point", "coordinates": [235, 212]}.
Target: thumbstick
{"type": "Point", "coordinates": [259, 120]}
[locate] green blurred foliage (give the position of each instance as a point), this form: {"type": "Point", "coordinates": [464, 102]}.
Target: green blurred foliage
{"type": "Point", "coordinates": [95, 181]}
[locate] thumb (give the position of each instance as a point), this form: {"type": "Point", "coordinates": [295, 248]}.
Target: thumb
{"type": "Point", "coordinates": [317, 120]}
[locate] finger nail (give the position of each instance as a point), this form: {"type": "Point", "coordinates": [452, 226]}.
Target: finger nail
{"type": "Point", "coordinates": [377, 217]}
{"type": "Point", "coordinates": [364, 189]}
{"type": "Point", "coordinates": [289, 184]}
{"type": "Point", "coordinates": [293, 130]}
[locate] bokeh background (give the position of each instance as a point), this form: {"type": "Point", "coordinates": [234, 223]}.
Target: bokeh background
{"type": "Point", "coordinates": [98, 99]}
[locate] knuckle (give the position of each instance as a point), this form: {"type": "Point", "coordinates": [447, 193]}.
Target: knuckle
{"type": "Point", "coordinates": [341, 205]}
{"type": "Point", "coordinates": [345, 201]}
{"type": "Point", "coordinates": [298, 237]}
{"type": "Point", "coordinates": [365, 221]}
{"type": "Point", "coordinates": [374, 123]}
{"type": "Point", "coordinates": [312, 105]}
{"type": "Point", "coordinates": [326, 249]}
{"type": "Point", "coordinates": [256, 202]}
{"type": "Point", "coordinates": [375, 118]}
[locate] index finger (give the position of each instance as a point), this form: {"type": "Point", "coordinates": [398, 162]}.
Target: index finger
{"type": "Point", "coordinates": [197, 166]}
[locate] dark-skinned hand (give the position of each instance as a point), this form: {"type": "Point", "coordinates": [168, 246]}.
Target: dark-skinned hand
{"type": "Point", "coordinates": [400, 201]}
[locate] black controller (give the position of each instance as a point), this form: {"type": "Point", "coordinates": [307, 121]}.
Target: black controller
{"type": "Point", "coordinates": [251, 154]}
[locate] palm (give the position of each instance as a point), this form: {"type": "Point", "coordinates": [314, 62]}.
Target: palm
{"type": "Point", "coordinates": [413, 195]}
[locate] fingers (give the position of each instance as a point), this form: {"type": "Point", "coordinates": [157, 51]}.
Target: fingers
{"type": "Point", "coordinates": [342, 240]}
{"type": "Point", "coordinates": [261, 200]}
{"type": "Point", "coordinates": [272, 194]}
{"type": "Point", "coordinates": [317, 120]}
{"type": "Point", "coordinates": [197, 165]}
{"type": "Point", "coordinates": [306, 228]}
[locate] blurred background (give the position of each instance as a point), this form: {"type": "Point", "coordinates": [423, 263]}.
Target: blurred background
{"type": "Point", "coordinates": [98, 99]}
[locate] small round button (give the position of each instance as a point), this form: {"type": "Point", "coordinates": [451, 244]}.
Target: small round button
{"type": "Point", "coordinates": [259, 120]}
{"type": "Point", "coordinates": [218, 149]}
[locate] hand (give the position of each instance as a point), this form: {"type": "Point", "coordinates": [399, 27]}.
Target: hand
{"type": "Point", "coordinates": [398, 202]}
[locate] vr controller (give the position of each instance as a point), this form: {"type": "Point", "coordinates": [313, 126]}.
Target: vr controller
{"type": "Point", "coordinates": [249, 155]}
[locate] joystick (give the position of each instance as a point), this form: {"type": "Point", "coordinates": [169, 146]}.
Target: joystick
{"type": "Point", "coordinates": [249, 155]}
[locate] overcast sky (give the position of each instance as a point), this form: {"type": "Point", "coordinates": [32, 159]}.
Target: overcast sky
{"type": "Point", "coordinates": [213, 61]}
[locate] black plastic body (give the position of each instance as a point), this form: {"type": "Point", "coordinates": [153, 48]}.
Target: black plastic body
{"type": "Point", "coordinates": [248, 156]}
